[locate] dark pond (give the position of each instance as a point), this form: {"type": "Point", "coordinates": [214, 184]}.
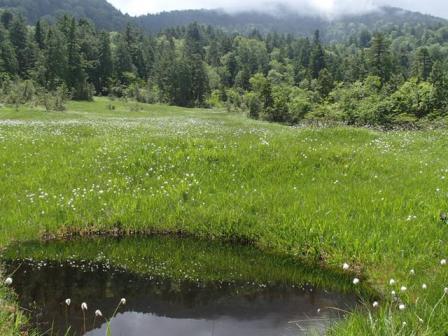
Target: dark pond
{"type": "Point", "coordinates": [185, 290]}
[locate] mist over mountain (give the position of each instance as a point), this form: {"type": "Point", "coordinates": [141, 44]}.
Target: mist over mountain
{"type": "Point", "coordinates": [284, 18]}
{"type": "Point", "coordinates": [290, 21]}
{"type": "Point", "coordinates": [329, 8]}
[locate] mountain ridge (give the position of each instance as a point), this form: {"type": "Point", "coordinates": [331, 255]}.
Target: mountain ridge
{"type": "Point", "coordinates": [107, 17]}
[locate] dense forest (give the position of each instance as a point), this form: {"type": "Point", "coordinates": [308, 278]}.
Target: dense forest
{"type": "Point", "coordinates": [281, 19]}
{"type": "Point", "coordinates": [396, 76]}
{"type": "Point", "coordinates": [102, 13]}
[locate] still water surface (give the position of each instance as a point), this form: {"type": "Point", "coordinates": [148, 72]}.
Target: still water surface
{"type": "Point", "coordinates": [160, 305]}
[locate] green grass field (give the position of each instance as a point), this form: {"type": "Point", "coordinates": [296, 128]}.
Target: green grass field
{"type": "Point", "coordinates": [326, 196]}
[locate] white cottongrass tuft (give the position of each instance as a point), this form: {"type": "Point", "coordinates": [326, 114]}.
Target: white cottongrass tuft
{"type": "Point", "coordinates": [375, 304]}
{"type": "Point", "coordinates": [402, 306]}
{"type": "Point", "coordinates": [392, 282]}
{"type": "Point", "coordinates": [424, 286]}
{"type": "Point", "coordinates": [355, 281]}
{"type": "Point", "coordinates": [123, 301]}
{"type": "Point", "coordinates": [443, 262]}
{"type": "Point", "coordinates": [345, 266]}
{"type": "Point", "coordinates": [68, 302]}
{"type": "Point", "coordinates": [412, 272]}
{"type": "Point", "coordinates": [8, 281]}
{"type": "Point", "coordinates": [393, 293]}
{"type": "Point", "coordinates": [84, 306]}
{"type": "Point", "coordinates": [445, 290]}
{"type": "Point", "coordinates": [403, 288]}
{"type": "Point", "coordinates": [98, 313]}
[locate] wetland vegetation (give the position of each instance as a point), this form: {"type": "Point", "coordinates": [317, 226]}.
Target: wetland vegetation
{"type": "Point", "coordinates": [90, 149]}
{"type": "Point", "coordinates": [323, 196]}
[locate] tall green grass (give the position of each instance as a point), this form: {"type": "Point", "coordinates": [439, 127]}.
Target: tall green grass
{"type": "Point", "coordinates": [326, 196]}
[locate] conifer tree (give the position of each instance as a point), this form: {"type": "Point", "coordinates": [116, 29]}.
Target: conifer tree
{"type": "Point", "coordinates": [193, 57]}
{"type": "Point", "coordinates": [105, 64]}
{"type": "Point", "coordinates": [123, 61]}
{"type": "Point", "coordinates": [379, 57]}
{"type": "Point", "coordinates": [76, 78]}
{"type": "Point", "coordinates": [422, 64]}
{"type": "Point", "coordinates": [317, 56]}
{"type": "Point", "coordinates": [55, 59]}
{"type": "Point", "coordinates": [8, 60]}
{"type": "Point", "coordinates": [439, 78]}
{"type": "Point", "coordinates": [23, 47]}
{"type": "Point", "coordinates": [39, 35]}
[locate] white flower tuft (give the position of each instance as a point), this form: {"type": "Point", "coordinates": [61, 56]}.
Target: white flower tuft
{"type": "Point", "coordinates": [68, 302]}
{"type": "Point", "coordinates": [8, 281]}
{"type": "Point", "coordinates": [375, 304]}
{"type": "Point", "coordinates": [392, 282]}
{"type": "Point", "coordinates": [98, 313]}
{"type": "Point", "coordinates": [123, 301]}
{"type": "Point", "coordinates": [345, 266]}
{"type": "Point", "coordinates": [84, 306]}
{"type": "Point", "coordinates": [356, 281]}
{"type": "Point", "coordinates": [402, 306]}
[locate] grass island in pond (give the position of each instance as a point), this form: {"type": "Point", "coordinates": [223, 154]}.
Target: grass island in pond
{"type": "Point", "coordinates": [323, 196]}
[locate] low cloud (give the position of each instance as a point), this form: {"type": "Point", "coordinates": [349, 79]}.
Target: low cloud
{"type": "Point", "coordinates": [328, 7]}
{"type": "Point", "coordinates": [322, 7]}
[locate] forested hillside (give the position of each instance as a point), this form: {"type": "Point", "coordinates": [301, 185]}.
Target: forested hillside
{"type": "Point", "coordinates": [284, 20]}
{"type": "Point", "coordinates": [291, 21]}
{"type": "Point", "coordinates": [102, 13]}
{"type": "Point", "coordinates": [395, 76]}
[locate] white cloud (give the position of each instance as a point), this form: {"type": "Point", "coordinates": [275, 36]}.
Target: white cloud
{"type": "Point", "coordinates": [328, 7]}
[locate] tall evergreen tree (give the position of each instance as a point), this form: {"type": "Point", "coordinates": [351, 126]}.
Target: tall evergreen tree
{"type": "Point", "coordinates": [165, 69]}
{"type": "Point", "coordinates": [317, 56]}
{"type": "Point", "coordinates": [135, 47]}
{"type": "Point", "coordinates": [123, 61]}
{"type": "Point", "coordinates": [76, 78]}
{"type": "Point", "coordinates": [6, 18]}
{"type": "Point", "coordinates": [8, 60]}
{"type": "Point", "coordinates": [364, 38]}
{"type": "Point", "coordinates": [105, 66]}
{"type": "Point", "coordinates": [55, 59]}
{"type": "Point", "coordinates": [379, 57]}
{"type": "Point", "coordinates": [23, 47]}
{"type": "Point", "coordinates": [422, 64]}
{"type": "Point", "coordinates": [439, 78]}
{"type": "Point", "coordinates": [213, 54]}
{"type": "Point", "coordinates": [39, 35]}
{"type": "Point", "coordinates": [325, 83]}
{"type": "Point", "coordinates": [193, 57]}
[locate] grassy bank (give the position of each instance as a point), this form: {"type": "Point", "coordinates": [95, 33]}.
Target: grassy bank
{"type": "Point", "coordinates": [12, 320]}
{"type": "Point", "coordinates": [329, 196]}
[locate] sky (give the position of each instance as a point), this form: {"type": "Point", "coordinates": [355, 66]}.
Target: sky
{"type": "Point", "coordinates": [326, 7]}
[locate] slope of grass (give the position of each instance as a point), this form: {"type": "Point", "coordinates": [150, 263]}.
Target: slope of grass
{"type": "Point", "coordinates": [328, 196]}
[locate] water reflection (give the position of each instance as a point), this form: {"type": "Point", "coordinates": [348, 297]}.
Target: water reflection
{"type": "Point", "coordinates": [162, 305]}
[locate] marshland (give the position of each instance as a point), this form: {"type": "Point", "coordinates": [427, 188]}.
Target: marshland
{"type": "Point", "coordinates": [334, 204]}
{"type": "Point", "coordinates": [205, 172]}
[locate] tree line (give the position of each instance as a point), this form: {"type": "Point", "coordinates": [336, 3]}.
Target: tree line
{"type": "Point", "coordinates": [396, 76]}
